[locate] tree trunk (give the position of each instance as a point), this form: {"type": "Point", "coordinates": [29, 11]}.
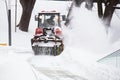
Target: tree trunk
{"type": "Point", "coordinates": [78, 2]}
{"type": "Point", "coordinates": [68, 15]}
{"type": "Point", "coordinates": [109, 10]}
{"type": "Point", "coordinates": [100, 9]}
{"type": "Point", "coordinates": [27, 7]}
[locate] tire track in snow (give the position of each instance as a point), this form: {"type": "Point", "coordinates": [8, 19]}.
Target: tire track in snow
{"type": "Point", "coordinates": [58, 74]}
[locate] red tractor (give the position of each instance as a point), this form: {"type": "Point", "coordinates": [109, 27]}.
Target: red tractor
{"type": "Point", "coordinates": [48, 39]}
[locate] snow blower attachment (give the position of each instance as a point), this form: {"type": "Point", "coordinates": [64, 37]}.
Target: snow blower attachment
{"type": "Point", "coordinates": [48, 36]}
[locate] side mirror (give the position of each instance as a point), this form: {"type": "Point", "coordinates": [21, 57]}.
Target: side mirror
{"type": "Point", "coordinates": [36, 17]}
{"type": "Point", "coordinates": [63, 18]}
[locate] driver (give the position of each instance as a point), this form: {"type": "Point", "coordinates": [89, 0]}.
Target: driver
{"type": "Point", "coordinates": [50, 22]}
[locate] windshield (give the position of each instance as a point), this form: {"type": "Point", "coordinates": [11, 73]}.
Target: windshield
{"type": "Point", "coordinates": [48, 20]}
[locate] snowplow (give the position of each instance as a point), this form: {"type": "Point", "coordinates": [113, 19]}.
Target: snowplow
{"type": "Point", "coordinates": [48, 39]}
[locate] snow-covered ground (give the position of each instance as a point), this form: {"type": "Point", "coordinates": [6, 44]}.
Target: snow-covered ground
{"type": "Point", "coordinates": [86, 41]}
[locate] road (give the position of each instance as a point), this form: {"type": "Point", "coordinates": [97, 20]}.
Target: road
{"type": "Point", "coordinates": [58, 74]}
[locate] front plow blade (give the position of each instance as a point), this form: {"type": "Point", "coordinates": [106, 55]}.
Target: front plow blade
{"type": "Point", "coordinates": [41, 50]}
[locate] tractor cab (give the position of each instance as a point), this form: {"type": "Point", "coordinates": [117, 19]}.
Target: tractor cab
{"type": "Point", "coordinates": [48, 20]}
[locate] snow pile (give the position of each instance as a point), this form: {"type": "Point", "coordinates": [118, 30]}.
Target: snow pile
{"type": "Point", "coordinates": [13, 68]}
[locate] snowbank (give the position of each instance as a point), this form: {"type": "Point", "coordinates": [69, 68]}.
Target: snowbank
{"type": "Point", "coordinates": [13, 68]}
